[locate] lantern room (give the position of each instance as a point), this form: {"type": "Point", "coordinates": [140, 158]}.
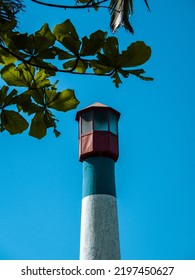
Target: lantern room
{"type": "Point", "coordinates": [98, 131]}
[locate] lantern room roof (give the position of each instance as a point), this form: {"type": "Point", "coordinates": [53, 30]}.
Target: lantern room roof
{"type": "Point", "coordinates": [96, 105]}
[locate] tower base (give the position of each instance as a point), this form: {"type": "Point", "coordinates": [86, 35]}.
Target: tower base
{"type": "Point", "coordinates": [99, 228]}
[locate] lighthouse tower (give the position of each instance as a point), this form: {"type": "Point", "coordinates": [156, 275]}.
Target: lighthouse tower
{"type": "Point", "coordinates": [98, 151]}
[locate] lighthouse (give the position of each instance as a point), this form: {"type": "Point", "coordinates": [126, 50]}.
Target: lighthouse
{"type": "Point", "coordinates": [98, 152]}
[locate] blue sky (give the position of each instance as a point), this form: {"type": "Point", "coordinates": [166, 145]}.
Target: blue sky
{"type": "Point", "coordinates": [41, 180]}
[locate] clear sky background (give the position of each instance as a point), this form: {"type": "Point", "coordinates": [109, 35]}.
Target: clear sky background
{"type": "Point", "coordinates": [41, 180]}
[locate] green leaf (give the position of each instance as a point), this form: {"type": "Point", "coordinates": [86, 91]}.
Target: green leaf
{"type": "Point", "coordinates": [39, 44]}
{"type": "Point", "coordinates": [12, 76]}
{"type": "Point", "coordinates": [100, 68]}
{"type": "Point", "coordinates": [66, 34]}
{"type": "Point", "coordinates": [27, 72]}
{"type": "Point", "coordinates": [17, 76]}
{"type": "Point", "coordinates": [49, 119]}
{"type": "Point", "coordinates": [22, 99]}
{"type": "Point", "coordinates": [49, 68]}
{"type": "Point", "coordinates": [116, 79]}
{"type": "Point", "coordinates": [147, 79]}
{"type": "Point", "coordinates": [56, 132]}
{"type": "Point", "coordinates": [124, 73]}
{"type": "Point", "coordinates": [1, 125]}
{"type": "Point", "coordinates": [136, 54]}
{"type": "Point", "coordinates": [38, 95]}
{"type": "Point", "coordinates": [24, 103]}
{"type": "Point", "coordinates": [62, 101]}
{"type": "Point", "coordinates": [29, 107]}
{"type": "Point", "coordinates": [63, 54]}
{"type": "Point", "coordinates": [79, 65]}
{"type": "Point", "coordinates": [107, 60]}
{"type": "Point", "coordinates": [138, 73]}
{"type": "Point", "coordinates": [95, 6]}
{"type": "Point", "coordinates": [47, 54]}
{"type": "Point", "coordinates": [5, 98]}
{"type": "Point", "coordinates": [8, 25]}
{"type": "Point", "coordinates": [92, 45]}
{"type": "Point", "coordinates": [3, 94]}
{"type": "Point", "coordinates": [38, 128]}
{"type": "Point", "coordinates": [41, 79]}
{"type": "Point", "coordinates": [6, 58]}
{"type": "Point", "coordinates": [111, 49]}
{"type": "Point", "coordinates": [24, 42]}
{"type": "Point", "coordinates": [43, 39]}
{"type": "Point", "coordinates": [9, 100]}
{"type": "Point", "coordinates": [13, 122]}
{"type": "Point", "coordinates": [110, 58]}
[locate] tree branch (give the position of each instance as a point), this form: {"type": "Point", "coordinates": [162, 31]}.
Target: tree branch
{"type": "Point", "coordinates": [88, 5]}
{"type": "Point", "coordinates": [51, 68]}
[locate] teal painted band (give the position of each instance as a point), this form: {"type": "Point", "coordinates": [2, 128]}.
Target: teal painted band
{"type": "Point", "coordinates": [98, 176]}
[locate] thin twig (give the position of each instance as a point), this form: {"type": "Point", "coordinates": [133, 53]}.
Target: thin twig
{"type": "Point", "coordinates": [72, 7]}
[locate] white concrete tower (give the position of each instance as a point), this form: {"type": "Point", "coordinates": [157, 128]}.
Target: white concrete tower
{"type": "Point", "coordinates": [98, 150]}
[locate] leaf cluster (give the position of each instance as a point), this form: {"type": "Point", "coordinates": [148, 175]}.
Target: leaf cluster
{"type": "Point", "coordinates": [9, 9]}
{"type": "Point", "coordinates": [30, 61]}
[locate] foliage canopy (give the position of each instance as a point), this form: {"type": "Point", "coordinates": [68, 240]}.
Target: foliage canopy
{"type": "Point", "coordinates": [28, 61]}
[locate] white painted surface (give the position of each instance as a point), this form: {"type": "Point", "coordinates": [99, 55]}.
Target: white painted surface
{"type": "Point", "coordinates": [99, 228]}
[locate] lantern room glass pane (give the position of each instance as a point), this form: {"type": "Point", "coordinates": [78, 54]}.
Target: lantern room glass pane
{"type": "Point", "coordinates": [101, 120]}
{"type": "Point", "coordinates": [113, 123]}
{"type": "Point", "coordinates": [86, 125]}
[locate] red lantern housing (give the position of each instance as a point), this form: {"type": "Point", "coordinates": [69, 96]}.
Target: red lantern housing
{"type": "Point", "coordinates": [98, 131]}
